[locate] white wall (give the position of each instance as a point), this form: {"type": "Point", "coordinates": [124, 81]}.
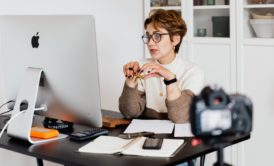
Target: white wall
{"type": "Point", "coordinates": [118, 25]}
{"type": "Point", "coordinates": [119, 29]}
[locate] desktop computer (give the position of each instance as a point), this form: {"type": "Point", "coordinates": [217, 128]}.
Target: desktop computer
{"type": "Point", "coordinates": [49, 61]}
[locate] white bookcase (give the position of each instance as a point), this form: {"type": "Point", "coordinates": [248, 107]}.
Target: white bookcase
{"type": "Point", "coordinates": [255, 55]}
{"type": "Point", "coordinates": [239, 63]}
{"type": "Point", "coordinates": [216, 55]}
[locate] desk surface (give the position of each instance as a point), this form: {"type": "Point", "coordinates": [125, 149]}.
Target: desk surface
{"type": "Point", "coordinates": [65, 152]}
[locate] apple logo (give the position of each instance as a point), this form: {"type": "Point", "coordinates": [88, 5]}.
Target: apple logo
{"type": "Point", "coordinates": [34, 41]}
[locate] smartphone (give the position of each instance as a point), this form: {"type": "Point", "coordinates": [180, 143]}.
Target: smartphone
{"type": "Point", "coordinates": [153, 143]}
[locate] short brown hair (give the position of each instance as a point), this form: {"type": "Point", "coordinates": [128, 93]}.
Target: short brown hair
{"type": "Point", "coordinates": [170, 20]}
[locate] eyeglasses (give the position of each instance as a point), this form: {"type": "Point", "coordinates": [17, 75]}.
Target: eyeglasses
{"type": "Point", "coordinates": [156, 37]}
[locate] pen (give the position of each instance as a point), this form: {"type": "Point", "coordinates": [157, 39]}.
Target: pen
{"type": "Point", "coordinates": [134, 135]}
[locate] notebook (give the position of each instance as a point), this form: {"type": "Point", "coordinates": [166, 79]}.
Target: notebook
{"type": "Point", "coordinates": [116, 145]}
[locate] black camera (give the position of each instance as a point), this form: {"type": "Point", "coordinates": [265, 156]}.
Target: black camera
{"type": "Point", "coordinates": [215, 113]}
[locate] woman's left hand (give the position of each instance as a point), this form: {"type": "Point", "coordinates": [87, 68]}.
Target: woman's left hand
{"type": "Point", "coordinates": [156, 70]}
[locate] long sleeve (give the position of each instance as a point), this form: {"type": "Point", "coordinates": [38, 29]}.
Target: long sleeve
{"type": "Point", "coordinates": [132, 102]}
{"type": "Point", "coordinates": [178, 109]}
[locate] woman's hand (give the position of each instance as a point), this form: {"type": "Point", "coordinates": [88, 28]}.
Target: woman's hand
{"type": "Point", "coordinates": [130, 70]}
{"type": "Point", "coordinates": [156, 70]}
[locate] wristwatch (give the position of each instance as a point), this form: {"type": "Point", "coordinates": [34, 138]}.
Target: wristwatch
{"type": "Point", "coordinates": [168, 82]}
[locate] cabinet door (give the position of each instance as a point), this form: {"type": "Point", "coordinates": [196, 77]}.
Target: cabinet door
{"type": "Point", "coordinates": [256, 78]}
{"type": "Point", "coordinates": [215, 61]}
{"type": "Point", "coordinates": [258, 83]}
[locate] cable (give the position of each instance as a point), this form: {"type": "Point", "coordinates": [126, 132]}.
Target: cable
{"type": "Point", "coordinates": [43, 108]}
{"type": "Point", "coordinates": [6, 112]}
{"type": "Point", "coordinates": [11, 101]}
{"type": "Point", "coordinates": [6, 103]}
{"type": "Point", "coordinates": [11, 119]}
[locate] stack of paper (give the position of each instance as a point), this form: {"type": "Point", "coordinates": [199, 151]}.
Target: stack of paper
{"type": "Point", "coordinates": [159, 127]}
{"type": "Point", "coordinates": [183, 130]}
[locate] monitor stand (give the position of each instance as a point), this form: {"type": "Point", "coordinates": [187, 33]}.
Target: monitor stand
{"type": "Point", "coordinates": [20, 127]}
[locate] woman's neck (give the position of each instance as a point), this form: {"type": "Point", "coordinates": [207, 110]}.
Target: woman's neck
{"type": "Point", "coordinates": [167, 59]}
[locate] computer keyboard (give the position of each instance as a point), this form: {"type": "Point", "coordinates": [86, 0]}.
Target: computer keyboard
{"type": "Point", "coordinates": [88, 134]}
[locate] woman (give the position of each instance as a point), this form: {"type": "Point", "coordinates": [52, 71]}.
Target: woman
{"type": "Point", "coordinates": [163, 86]}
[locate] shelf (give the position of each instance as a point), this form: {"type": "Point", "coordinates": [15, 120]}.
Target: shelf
{"type": "Point", "coordinates": [167, 7]}
{"type": "Point", "coordinates": [259, 41]}
{"type": "Point", "coordinates": [212, 40]}
{"type": "Point", "coordinates": [211, 7]}
{"type": "Point", "coordinates": [259, 6]}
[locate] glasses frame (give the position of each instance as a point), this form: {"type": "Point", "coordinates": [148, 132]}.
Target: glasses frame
{"type": "Point", "coordinates": [148, 36]}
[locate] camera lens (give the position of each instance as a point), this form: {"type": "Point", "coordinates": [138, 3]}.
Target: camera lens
{"type": "Point", "coordinates": [217, 100]}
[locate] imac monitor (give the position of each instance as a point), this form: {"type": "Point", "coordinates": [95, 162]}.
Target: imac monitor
{"type": "Point", "coordinates": [64, 48]}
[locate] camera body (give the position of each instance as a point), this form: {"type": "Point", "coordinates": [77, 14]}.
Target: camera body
{"type": "Point", "coordinates": [215, 113]}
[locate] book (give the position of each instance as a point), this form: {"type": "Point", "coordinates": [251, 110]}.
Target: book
{"type": "Point", "coordinates": [116, 145]}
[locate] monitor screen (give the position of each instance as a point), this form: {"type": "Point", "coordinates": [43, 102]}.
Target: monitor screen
{"type": "Point", "coordinates": [64, 47]}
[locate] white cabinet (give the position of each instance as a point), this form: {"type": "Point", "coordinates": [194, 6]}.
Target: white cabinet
{"type": "Point", "coordinates": [242, 62]}
{"type": "Point", "coordinates": [215, 55]}
{"type": "Point", "coordinates": [256, 79]}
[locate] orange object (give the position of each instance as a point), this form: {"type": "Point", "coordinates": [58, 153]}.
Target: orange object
{"type": "Point", "coordinates": [113, 122]}
{"type": "Point", "coordinates": [41, 132]}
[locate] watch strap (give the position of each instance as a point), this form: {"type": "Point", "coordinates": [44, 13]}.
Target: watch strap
{"type": "Point", "coordinates": [168, 82]}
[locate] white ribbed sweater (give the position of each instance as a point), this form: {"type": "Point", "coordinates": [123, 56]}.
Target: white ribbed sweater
{"type": "Point", "coordinates": [189, 76]}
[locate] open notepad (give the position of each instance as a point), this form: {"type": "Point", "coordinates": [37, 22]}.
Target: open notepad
{"type": "Point", "coordinates": [116, 145]}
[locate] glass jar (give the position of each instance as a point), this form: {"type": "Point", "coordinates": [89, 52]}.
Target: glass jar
{"type": "Point", "coordinates": [210, 2]}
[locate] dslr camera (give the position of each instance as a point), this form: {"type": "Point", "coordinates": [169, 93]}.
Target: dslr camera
{"type": "Point", "coordinates": [214, 113]}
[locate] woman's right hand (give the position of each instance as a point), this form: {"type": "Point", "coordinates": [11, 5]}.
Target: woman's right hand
{"type": "Point", "coordinates": [130, 70]}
